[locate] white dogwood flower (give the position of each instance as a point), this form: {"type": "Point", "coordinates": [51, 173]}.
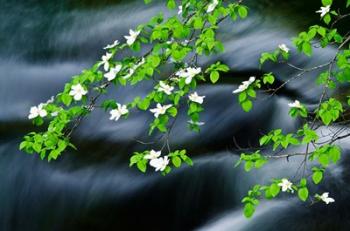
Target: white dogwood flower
{"type": "Point", "coordinates": [285, 185]}
{"type": "Point", "coordinates": [131, 38]}
{"type": "Point", "coordinates": [163, 87]}
{"type": "Point", "coordinates": [324, 10]}
{"type": "Point", "coordinates": [194, 97]}
{"type": "Point", "coordinates": [326, 199]}
{"type": "Point", "coordinates": [189, 73]}
{"type": "Point", "coordinates": [295, 104]}
{"type": "Point", "coordinates": [113, 72]}
{"type": "Point", "coordinates": [284, 47]}
{"type": "Point", "coordinates": [118, 112]}
{"type": "Point", "coordinates": [77, 91]}
{"type": "Point", "coordinates": [153, 155]}
{"type": "Point", "coordinates": [244, 86]}
{"type": "Point", "coordinates": [212, 6]}
{"type": "Point", "coordinates": [110, 46]}
{"type": "Point", "coordinates": [160, 163]}
{"type": "Point", "coordinates": [37, 111]}
{"type": "Point", "coordinates": [105, 60]}
{"type": "Point", "coordinates": [181, 73]}
{"type": "Point", "coordinates": [160, 110]}
{"type": "Point", "coordinates": [180, 10]}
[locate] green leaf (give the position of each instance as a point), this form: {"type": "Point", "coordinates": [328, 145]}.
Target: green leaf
{"type": "Point", "coordinates": [37, 147]}
{"type": "Point", "coordinates": [264, 140]}
{"type": "Point", "coordinates": [326, 2]}
{"type": "Point", "coordinates": [268, 78]}
{"type": "Point", "coordinates": [274, 190]}
{"type": "Point", "coordinates": [326, 118]}
{"type": "Point", "coordinates": [324, 160]}
{"type": "Point", "coordinates": [317, 177]}
{"type": "Point", "coordinates": [303, 182]}
{"type": "Point", "coordinates": [251, 92]}
{"type": "Point", "coordinates": [322, 31]}
{"type": "Point", "coordinates": [334, 154]}
{"type": "Point", "coordinates": [135, 158]}
{"type": "Point", "coordinates": [54, 154]}
{"type": "Point", "coordinates": [327, 18]}
{"type": "Point", "coordinates": [248, 210]}
{"type": "Point", "coordinates": [242, 11]}
{"type": "Point", "coordinates": [141, 165]}
{"type": "Point", "coordinates": [66, 99]}
{"type": "Point", "coordinates": [303, 193]}
{"type": "Point", "coordinates": [242, 97]}
{"type": "Point", "coordinates": [248, 166]}
{"type": "Point", "coordinates": [144, 104]}
{"type": "Point", "coordinates": [172, 111]}
{"type": "Point", "coordinates": [155, 61]}
{"type": "Point", "coordinates": [247, 105]}
{"type": "Point", "coordinates": [198, 23]}
{"type": "Point", "coordinates": [214, 76]}
{"type": "Point", "coordinates": [187, 159]}
{"type": "Point", "coordinates": [171, 4]}
{"type": "Point", "coordinates": [259, 163]}
{"type": "Point", "coordinates": [176, 161]}
{"type": "Point", "coordinates": [307, 49]}
{"type": "Point", "coordinates": [23, 145]}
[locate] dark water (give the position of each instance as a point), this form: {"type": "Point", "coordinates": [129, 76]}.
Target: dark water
{"type": "Point", "coordinates": [43, 43]}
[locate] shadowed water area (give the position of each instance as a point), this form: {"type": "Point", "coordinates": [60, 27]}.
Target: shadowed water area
{"type": "Point", "coordinates": [44, 43]}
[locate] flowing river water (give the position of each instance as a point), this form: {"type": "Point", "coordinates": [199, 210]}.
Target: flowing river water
{"type": "Point", "coordinates": [44, 43]}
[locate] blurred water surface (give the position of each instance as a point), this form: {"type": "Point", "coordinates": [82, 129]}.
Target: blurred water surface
{"type": "Point", "coordinates": [44, 43]}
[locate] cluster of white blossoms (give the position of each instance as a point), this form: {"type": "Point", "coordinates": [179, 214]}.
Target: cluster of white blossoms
{"type": "Point", "coordinates": [324, 10]}
{"type": "Point", "coordinates": [244, 86]}
{"type": "Point", "coordinates": [286, 185]}
{"type": "Point", "coordinates": [163, 87]}
{"type": "Point", "coordinates": [212, 6]}
{"type": "Point", "coordinates": [284, 48]}
{"type": "Point", "coordinates": [295, 104]}
{"type": "Point", "coordinates": [160, 109]}
{"type": "Point", "coordinates": [325, 198]}
{"type": "Point", "coordinates": [77, 91]}
{"type": "Point", "coordinates": [189, 73]}
{"type": "Point", "coordinates": [105, 61]}
{"type": "Point", "coordinates": [118, 112]}
{"type": "Point", "coordinates": [131, 38]}
{"type": "Point", "coordinates": [157, 162]}
{"type": "Point", "coordinates": [194, 97]}
{"type": "Point", "coordinates": [37, 111]}
{"type": "Point", "coordinates": [113, 72]}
